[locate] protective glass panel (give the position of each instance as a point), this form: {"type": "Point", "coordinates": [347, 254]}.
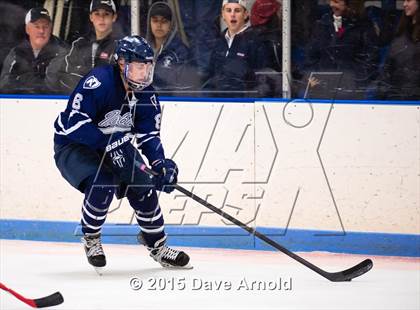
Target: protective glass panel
{"type": "Point", "coordinates": [204, 49]}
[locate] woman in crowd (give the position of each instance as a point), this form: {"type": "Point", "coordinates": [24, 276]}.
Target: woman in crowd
{"type": "Point", "coordinates": [171, 54]}
{"type": "Point", "coordinates": [343, 41]}
{"type": "Point", "coordinates": [401, 76]}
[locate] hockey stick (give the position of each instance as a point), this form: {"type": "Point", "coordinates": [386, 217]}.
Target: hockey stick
{"type": "Point", "coordinates": [340, 276]}
{"type": "Point", "coordinates": [47, 301]}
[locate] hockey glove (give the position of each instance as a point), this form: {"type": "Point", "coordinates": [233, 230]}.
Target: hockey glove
{"type": "Point", "coordinates": [123, 159]}
{"type": "Point", "coordinates": [167, 175]}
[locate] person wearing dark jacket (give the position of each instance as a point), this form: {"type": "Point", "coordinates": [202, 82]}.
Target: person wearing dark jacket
{"type": "Point", "coordinates": [171, 54]}
{"type": "Point", "coordinates": [266, 23]}
{"type": "Point", "coordinates": [199, 24]}
{"type": "Point", "coordinates": [237, 56]}
{"type": "Point", "coordinates": [24, 68]}
{"type": "Point", "coordinates": [344, 41]}
{"type": "Point", "coordinates": [89, 51]}
{"type": "Point", "coordinates": [400, 79]}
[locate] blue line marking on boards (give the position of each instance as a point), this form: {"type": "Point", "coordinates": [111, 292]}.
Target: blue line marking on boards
{"type": "Point", "coordinates": [225, 237]}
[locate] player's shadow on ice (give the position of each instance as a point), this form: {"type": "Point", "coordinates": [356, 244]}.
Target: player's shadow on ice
{"type": "Point", "coordinates": [110, 272]}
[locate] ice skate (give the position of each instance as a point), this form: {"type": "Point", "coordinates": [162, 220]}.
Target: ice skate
{"type": "Point", "coordinates": [94, 252]}
{"type": "Point", "coordinates": [167, 257]}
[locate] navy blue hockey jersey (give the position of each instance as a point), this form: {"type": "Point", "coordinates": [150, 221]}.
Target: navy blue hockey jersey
{"type": "Point", "coordinates": [100, 106]}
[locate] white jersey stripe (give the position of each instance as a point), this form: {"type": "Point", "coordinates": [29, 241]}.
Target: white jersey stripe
{"type": "Point", "coordinates": [111, 130]}
{"type": "Point", "coordinates": [77, 126]}
{"type": "Point", "coordinates": [148, 139]}
{"type": "Point", "coordinates": [77, 112]}
{"type": "Point", "coordinates": [141, 135]}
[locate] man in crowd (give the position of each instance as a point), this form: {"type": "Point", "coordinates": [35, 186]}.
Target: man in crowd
{"type": "Point", "coordinates": [24, 69]}
{"type": "Point", "coordinates": [91, 50]}
{"type": "Point", "coordinates": [238, 54]}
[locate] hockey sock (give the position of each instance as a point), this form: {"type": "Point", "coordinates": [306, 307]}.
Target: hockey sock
{"type": "Point", "coordinates": [98, 197]}
{"type": "Point", "coordinates": [148, 215]}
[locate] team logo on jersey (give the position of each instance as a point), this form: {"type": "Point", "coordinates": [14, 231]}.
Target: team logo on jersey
{"type": "Point", "coordinates": [115, 119]}
{"type": "Point", "coordinates": [91, 83]}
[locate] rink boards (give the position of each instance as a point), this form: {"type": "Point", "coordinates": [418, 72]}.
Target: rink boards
{"type": "Point", "coordinates": [349, 171]}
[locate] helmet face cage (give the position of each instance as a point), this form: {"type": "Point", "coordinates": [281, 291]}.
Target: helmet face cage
{"type": "Point", "coordinates": [138, 61]}
{"type": "Point", "coordinates": [138, 75]}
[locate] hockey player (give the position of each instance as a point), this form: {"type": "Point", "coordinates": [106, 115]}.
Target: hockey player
{"type": "Point", "coordinates": [110, 106]}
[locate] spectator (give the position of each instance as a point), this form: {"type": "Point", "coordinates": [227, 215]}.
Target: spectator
{"type": "Point", "coordinates": [94, 49]}
{"type": "Point", "coordinates": [199, 19]}
{"type": "Point", "coordinates": [24, 68]}
{"type": "Point", "coordinates": [171, 54]}
{"type": "Point", "coordinates": [266, 22]}
{"type": "Point", "coordinates": [13, 30]}
{"type": "Point", "coordinates": [401, 76]}
{"type": "Point", "coordinates": [304, 15]}
{"type": "Point", "coordinates": [238, 54]}
{"type": "Point", "coordinates": [344, 41]}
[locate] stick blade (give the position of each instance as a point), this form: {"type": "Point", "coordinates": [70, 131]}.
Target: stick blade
{"type": "Point", "coordinates": [49, 301]}
{"type": "Point", "coordinates": [351, 273]}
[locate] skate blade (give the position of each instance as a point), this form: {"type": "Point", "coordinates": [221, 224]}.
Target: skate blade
{"type": "Point", "coordinates": [99, 270]}
{"type": "Point", "coordinates": [187, 266]}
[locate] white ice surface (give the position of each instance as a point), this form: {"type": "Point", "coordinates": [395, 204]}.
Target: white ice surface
{"type": "Point", "coordinates": [37, 269]}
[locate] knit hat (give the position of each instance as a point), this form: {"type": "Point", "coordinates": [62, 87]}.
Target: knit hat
{"type": "Point", "coordinates": [262, 11]}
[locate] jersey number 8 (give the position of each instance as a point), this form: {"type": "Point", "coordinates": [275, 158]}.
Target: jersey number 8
{"type": "Point", "coordinates": [158, 119]}
{"type": "Point", "coordinates": [77, 101]}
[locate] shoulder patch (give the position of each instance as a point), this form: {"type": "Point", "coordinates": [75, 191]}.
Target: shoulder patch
{"type": "Point", "coordinates": [154, 101]}
{"type": "Point", "coordinates": [91, 83]}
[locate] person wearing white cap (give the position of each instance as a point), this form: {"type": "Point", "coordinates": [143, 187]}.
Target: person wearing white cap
{"type": "Point", "coordinates": [91, 50]}
{"type": "Point", "coordinates": [237, 56]}
{"type": "Point", "coordinates": [235, 15]}
{"type": "Point", "coordinates": [24, 68]}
